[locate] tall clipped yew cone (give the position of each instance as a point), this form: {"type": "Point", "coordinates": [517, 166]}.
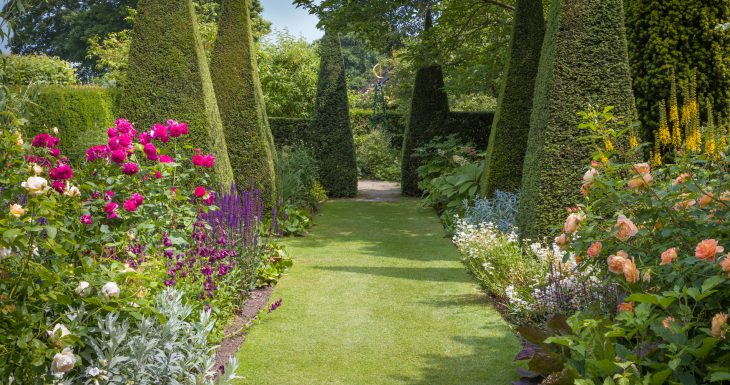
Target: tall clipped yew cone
{"type": "Point", "coordinates": [429, 113]}
{"type": "Point", "coordinates": [334, 146]}
{"type": "Point", "coordinates": [168, 78]}
{"type": "Point", "coordinates": [584, 62]}
{"type": "Point", "coordinates": [508, 138]}
{"type": "Point", "coordinates": [236, 81]}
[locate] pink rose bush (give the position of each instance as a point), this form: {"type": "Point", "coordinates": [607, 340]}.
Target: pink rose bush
{"type": "Point", "coordinates": [113, 226]}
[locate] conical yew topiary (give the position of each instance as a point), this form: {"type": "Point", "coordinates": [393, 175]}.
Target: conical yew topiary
{"type": "Point", "coordinates": [240, 100]}
{"type": "Point", "coordinates": [334, 146]}
{"type": "Point", "coordinates": [584, 63]}
{"type": "Point", "coordinates": [168, 78]}
{"type": "Point", "coordinates": [508, 138]}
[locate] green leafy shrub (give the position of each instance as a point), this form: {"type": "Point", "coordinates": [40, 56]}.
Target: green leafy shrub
{"type": "Point", "coordinates": [277, 262]}
{"type": "Point", "coordinates": [508, 136]}
{"type": "Point", "coordinates": [331, 133]}
{"type": "Point", "coordinates": [241, 102]}
{"type": "Point", "coordinates": [22, 70]}
{"type": "Point", "coordinates": [168, 76]}
{"type": "Point", "coordinates": [81, 114]}
{"type": "Point", "coordinates": [375, 158]}
{"type": "Point", "coordinates": [300, 179]}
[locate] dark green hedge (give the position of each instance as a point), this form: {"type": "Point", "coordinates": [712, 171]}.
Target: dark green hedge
{"type": "Point", "coordinates": [429, 115]}
{"type": "Point", "coordinates": [235, 78]}
{"type": "Point", "coordinates": [291, 131]}
{"type": "Point", "coordinates": [168, 78]}
{"type": "Point", "coordinates": [334, 147]}
{"type": "Point", "coordinates": [394, 126]}
{"type": "Point", "coordinates": [679, 34]}
{"type": "Point", "coordinates": [508, 137]}
{"type": "Point", "coordinates": [81, 113]}
{"type": "Point", "coordinates": [584, 62]}
{"type": "Point", "coordinates": [472, 127]}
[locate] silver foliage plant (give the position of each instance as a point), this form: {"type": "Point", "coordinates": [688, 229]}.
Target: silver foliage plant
{"type": "Point", "coordinates": [173, 350]}
{"type": "Point", "coordinates": [501, 210]}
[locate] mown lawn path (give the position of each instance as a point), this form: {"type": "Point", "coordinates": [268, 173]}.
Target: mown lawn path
{"type": "Point", "coordinates": [378, 296]}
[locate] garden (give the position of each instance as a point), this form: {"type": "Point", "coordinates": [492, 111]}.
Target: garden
{"type": "Point", "coordinates": [426, 192]}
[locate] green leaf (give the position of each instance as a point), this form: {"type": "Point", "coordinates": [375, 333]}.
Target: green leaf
{"type": "Point", "coordinates": [51, 231]}
{"type": "Point", "coordinates": [712, 282]}
{"type": "Point", "coordinates": [719, 376]}
{"type": "Point", "coordinates": [10, 235]}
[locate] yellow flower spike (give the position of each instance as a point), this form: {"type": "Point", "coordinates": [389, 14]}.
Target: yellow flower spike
{"type": "Point", "coordinates": [608, 144]}
{"type": "Point", "coordinates": [633, 141]}
{"type": "Point", "coordinates": [663, 136]}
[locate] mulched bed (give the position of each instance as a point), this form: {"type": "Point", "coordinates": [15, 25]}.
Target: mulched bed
{"type": "Point", "coordinates": [234, 334]}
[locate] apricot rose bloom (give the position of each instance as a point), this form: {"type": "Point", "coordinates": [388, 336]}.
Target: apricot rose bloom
{"type": "Point", "coordinates": [594, 249]}
{"type": "Point", "coordinates": [642, 168]}
{"type": "Point", "coordinates": [725, 264]}
{"type": "Point", "coordinates": [706, 199]}
{"type": "Point", "coordinates": [626, 306]}
{"type": "Point", "coordinates": [667, 322]}
{"type": "Point", "coordinates": [626, 228]}
{"type": "Point", "coordinates": [631, 273]}
{"type": "Point", "coordinates": [562, 241]}
{"type": "Point", "coordinates": [708, 249]}
{"type": "Point", "coordinates": [719, 323]}
{"type": "Point", "coordinates": [616, 262]}
{"type": "Point", "coordinates": [669, 256]}
{"type": "Point", "coordinates": [680, 179]}
{"type": "Point", "coordinates": [572, 222]}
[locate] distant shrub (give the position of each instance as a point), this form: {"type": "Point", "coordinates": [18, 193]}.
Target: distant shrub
{"type": "Point", "coordinates": [375, 158]}
{"type": "Point", "coordinates": [300, 179]}
{"type": "Point", "coordinates": [20, 70]}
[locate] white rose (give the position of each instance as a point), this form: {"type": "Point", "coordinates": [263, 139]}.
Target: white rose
{"type": "Point", "coordinates": [36, 185]}
{"type": "Point", "coordinates": [59, 331]}
{"type": "Point", "coordinates": [63, 362]}
{"type": "Point", "coordinates": [590, 176]}
{"type": "Point", "coordinates": [110, 289]}
{"type": "Point", "coordinates": [92, 371]}
{"type": "Point", "coordinates": [82, 289]}
{"type": "Point", "coordinates": [55, 130]}
{"type": "Point", "coordinates": [72, 191]}
{"type": "Point", "coordinates": [19, 139]}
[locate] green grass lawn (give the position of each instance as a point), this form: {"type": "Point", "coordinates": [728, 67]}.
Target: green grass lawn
{"type": "Point", "coordinates": [379, 296]}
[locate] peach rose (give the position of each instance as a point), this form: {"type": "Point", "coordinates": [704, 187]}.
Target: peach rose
{"type": "Point", "coordinates": [616, 262]}
{"type": "Point", "coordinates": [562, 241]}
{"type": "Point", "coordinates": [680, 179]}
{"type": "Point", "coordinates": [667, 322]}
{"type": "Point", "coordinates": [572, 222]}
{"type": "Point", "coordinates": [669, 256]}
{"type": "Point", "coordinates": [719, 325]}
{"type": "Point", "coordinates": [594, 249]}
{"type": "Point", "coordinates": [725, 196]}
{"type": "Point", "coordinates": [631, 273]}
{"type": "Point", "coordinates": [725, 264]}
{"type": "Point", "coordinates": [626, 228]}
{"type": "Point", "coordinates": [17, 210]}
{"type": "Point", "coordinates": [685, 204]}
{"type": "Point", "coordinates": [706, 199]}
{"type": "Point", "coordinates": [707, 249]}
{"type": "Point", "coordinates": [640, 182]}
{"type": "Point", "coordinates": [642, 168]}
{"type": "Point", "coordinates": [626, 306]}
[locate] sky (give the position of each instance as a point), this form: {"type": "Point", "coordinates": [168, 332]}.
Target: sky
{"type": "Point", "coordinates": [282, 14]}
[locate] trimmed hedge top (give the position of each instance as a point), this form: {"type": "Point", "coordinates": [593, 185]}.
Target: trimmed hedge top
{"type": "Point", "coordinates": [21, 70]}
{"type": "Point", "coordinates": [235, 78]}
{"type": "Point", "coordinates": [168, 78]}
